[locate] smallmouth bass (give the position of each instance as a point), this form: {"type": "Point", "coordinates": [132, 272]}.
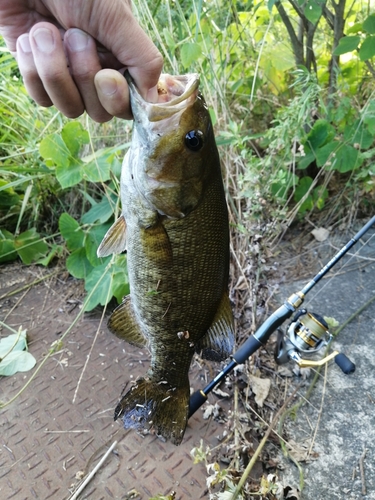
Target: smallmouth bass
{"type": "Point", "coordinates": [174, 225]}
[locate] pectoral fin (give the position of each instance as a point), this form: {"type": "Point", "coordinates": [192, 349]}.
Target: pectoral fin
{"type": "Point", "coordinates": [156, 241]}
{"type": "Point", "coordinates": [114, 240]}
{"type": "Point", "coordinates": [124, 325]}
{"type": "Point", "coordinates": [217, 344]}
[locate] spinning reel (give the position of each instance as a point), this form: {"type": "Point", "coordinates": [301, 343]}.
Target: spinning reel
{"type": "Point", "coordinates": [308, 333]}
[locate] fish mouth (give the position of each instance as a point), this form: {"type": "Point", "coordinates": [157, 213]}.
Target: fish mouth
{"type": "Point", "coordinates": [175, 93]}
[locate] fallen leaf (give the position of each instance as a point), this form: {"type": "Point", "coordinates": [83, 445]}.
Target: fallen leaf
{"type": "Point", "coordinates": [320, 234]}
{"type": "Point", "coordinates": [300, 451]}
{"type": "Point", "coordinates": [221, 393]}
{"type": "Point", "coordinates": [14, 342]}
{"type": "Point", "coordinates": [284, 371]}
{"type": "Point", "coordinates": [261, 388]}
{"type": "Point", "coordinates": [16, 361]}
{"type": "Point", "coordinates": [211, 410]}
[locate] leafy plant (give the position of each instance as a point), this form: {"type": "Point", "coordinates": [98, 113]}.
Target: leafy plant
{"type": "Point", "coordinates": [61, 151]}
{"type": "Point", "coordinates": [14, 356]}
{"type": "Point", "coordinates": [82, 263]}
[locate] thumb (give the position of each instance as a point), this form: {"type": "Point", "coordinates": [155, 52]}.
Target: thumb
{"type": "Point", "coordinates": [114, 25]}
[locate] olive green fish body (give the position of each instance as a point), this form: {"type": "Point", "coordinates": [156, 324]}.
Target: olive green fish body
{"type": "Point", "coordinates": [177, 239]}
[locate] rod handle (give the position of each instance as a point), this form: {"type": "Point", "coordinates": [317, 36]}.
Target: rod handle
{"type": "Point", "coordinates": [345, 364]}
{"type": "Point", "coordinates": [263, 333]}
{"type": "Point", "coordinates": [196, 401]}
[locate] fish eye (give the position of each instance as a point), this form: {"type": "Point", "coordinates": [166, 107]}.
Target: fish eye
{"type": "Point", "coordinates": [194, 140]}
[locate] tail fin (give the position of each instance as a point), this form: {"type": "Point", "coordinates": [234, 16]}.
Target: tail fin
{"type": "Point", "coordinates": [158, 405]}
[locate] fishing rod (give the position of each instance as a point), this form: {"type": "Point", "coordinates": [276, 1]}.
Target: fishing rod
{"type": "Point", "coordinates": [307, 333]}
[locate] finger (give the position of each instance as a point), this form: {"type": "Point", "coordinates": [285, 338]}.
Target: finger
{"type": "Point", "coordinates": [84, 64]}
{"type": "Point", "coordinates": [113, 93]}
{"type": "Point", "coordinates": [51, 64]}
{"type": "Point", "coordinates": [144, 64]}
{"type": "Point", "coordinates": [26, 64]}
{"type": "Point", "coordinates": [116, 28]}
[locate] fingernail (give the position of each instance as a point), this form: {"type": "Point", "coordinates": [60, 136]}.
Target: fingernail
{"type": "Point", "coordinates": [107, 86]}
{"type": "Point", "coordinates": [152, 95]}
{"type": "Point", "coordinates": [44, 40]}
{"type": "Point", "coordinates": [77, 40]}
{"type": "Point", "coordinates": [24, 43]}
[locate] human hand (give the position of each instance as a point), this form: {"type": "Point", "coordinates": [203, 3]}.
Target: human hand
{"type": "Point", "coordinates": [62, 47]}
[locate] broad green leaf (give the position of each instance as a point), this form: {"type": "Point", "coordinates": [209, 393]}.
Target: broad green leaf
{"type": "Point", "coordinates": [369, 24]}
{"type": "Point", "coordinates": [13, 342]}
{"type": "Point", "coordinates": [71, 174]}
{"type": "Point", "coordinates": [348, 158]}
{"type": "Point", "coordinates": [120, 281]}
{"type": "Point", "coordinates": [78, 264]}
{"type": "Point", "coordinates": [17, 361]}
{"type": "Point", "coordinates": [190, 53]}
{"type": "Point", "coordinates": [347, 44]}
{"type": "Point", "coordinates": [6, 235]}
{"type": "Point", "coordinates": [356, 28]}
{"type": "Point", "coordinates": [370, 122]}
{"type": "Point", "coordinates": [318, 135]}
{"type": "Point", "coordinates": [367, 50]}
{"type": "Point", "coordinates": [7, 251]}
{"type": "Point", "coordinates": [74, 136]}
{"type": "Point", "coordinates": [56, 251]}
{"type": "Point", "coordinates": [54, 148]}
{"type": "Point", "coordinates": [96, 168]}
{"type": "Point", "coordinates": [119, 289]}
{"type": "Point", "coordinates": [30, 246]}
{"type": "Point", "coordinates": [338, 156]}
{"type": "Point", "coordinates": [357, 133]}
{"type": "Point", "coordinates": [71, 232]}
{"type": "Point", "coordinates": [8, 196]}
{"type": "Point", "coordinates": [326, 154]}
{"type": "Point", "coordinates": [9, 200]}
{"type": "Point", "coordinates": [313, 10]}
{"type": "Point", "coordinates": [93, 239]}
{"type": "Point", "coordinates": [100, 212]}
{"type": "Point", "coordinates": [7, 247]}
{"type": "Point", "coordinates": [306, 160]}
{"type": "Point", "coordinates": [13, 358]}
{"type": "Point", "coordinates": [101, 281]}
{"type": "Point", "coordinates": [302, 188]}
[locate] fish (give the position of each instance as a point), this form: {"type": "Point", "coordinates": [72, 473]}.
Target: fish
{"type": "Point", "coordinates": [174, 227]}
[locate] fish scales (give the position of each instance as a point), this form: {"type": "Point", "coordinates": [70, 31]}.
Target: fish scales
{"type": "Point", "coordinates": [177, 240]}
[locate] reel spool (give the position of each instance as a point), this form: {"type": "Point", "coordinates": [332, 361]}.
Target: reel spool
{"type": "Point", "coordinates": [308, 333]}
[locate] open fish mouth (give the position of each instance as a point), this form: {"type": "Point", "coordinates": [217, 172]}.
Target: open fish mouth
{"type": "Point", "coordinates": [175, 93]}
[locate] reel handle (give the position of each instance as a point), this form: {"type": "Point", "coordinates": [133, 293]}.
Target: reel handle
{"type": "Point", "coordinates": [344, 363]}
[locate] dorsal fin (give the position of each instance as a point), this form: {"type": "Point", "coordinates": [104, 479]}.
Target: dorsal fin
{"type": "Point", "coordinates": [114, 240]}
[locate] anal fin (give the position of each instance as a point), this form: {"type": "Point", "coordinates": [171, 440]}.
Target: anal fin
{"type": "Point", "coordinates": [114, 240]}
{"type": "Point", "coordinates": [218, 343]}
{"type": "Point", "coordinates": [123, 323]}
